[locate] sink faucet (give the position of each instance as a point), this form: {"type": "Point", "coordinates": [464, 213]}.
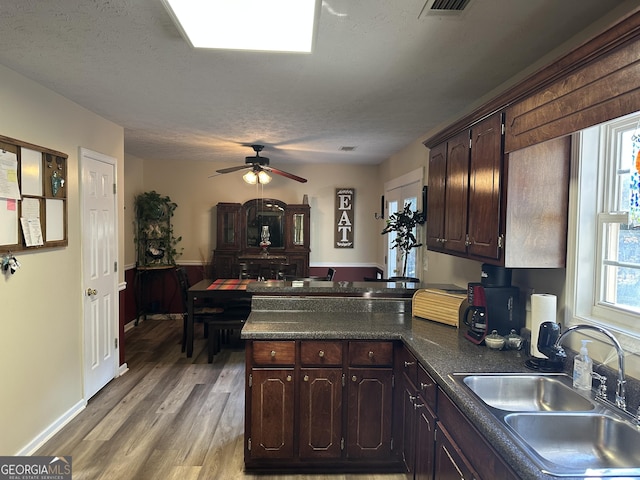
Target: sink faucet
{"type": "Point", "coordinates": [621, 401]}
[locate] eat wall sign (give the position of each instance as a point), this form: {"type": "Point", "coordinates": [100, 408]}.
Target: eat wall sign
{"type": "Point", "coordinates": [344, 218]}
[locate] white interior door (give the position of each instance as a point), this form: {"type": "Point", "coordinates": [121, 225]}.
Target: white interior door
{"type": "Point", "coordinates": [99, 255]}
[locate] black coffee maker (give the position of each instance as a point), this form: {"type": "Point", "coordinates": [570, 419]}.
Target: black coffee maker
{"type": "Point", "coordinates": [493, 305]}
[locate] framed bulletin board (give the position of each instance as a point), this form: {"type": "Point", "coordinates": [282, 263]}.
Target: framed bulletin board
{"type": "Point", "coordinates": [33, 196]}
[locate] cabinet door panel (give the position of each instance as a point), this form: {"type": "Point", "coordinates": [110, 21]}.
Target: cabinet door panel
{"type": "Point", "coordinates": [425, 442]}
{"type": "Point", "coordinates": [457, 193]}
{"type": "Point", "coordinates": [450, 463]}
{"type": "Point", "coordinates": [369, 412]}
{"type": "Point", "coordinates": [484, 187]}
{"type": "Point", "coordinates": [320, 412]}
{"type": "Point", "coordinates": [272, 413]}
{"type": "Point", "coordinates": [436, 196]}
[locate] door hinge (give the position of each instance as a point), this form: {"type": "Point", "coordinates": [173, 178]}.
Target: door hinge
{"type": "Point", "coordinates": [470, 142]}
{"type": "Point", "coordinates": [115, 266]}
{"type": "Point", "coordinates": [114, 189]}
{"type": "Point", "coordinates": [344, 379]}
{"type": "Point", "coordinates": [342, 443]}
{"type": "Point", "coordinates": [249, 444]}
{"type": "Point", "coordinates": [116, 342]}
{"type": "Point", "coordinates": [500, 241]}
{"type": "Point", "coordinates": [250, 380]}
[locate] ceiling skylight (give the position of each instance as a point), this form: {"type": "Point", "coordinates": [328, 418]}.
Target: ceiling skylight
{"type": "Point", "coordinates": [263, 25]}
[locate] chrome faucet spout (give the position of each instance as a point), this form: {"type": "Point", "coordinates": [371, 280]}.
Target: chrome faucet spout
{"type": "Point", "coordinates": [621, 389]}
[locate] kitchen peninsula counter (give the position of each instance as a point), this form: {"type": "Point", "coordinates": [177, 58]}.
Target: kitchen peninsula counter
{"type": "Point", "coordinates": [442, 350]}
{"type": "Point", "coordinates": [312, 287]}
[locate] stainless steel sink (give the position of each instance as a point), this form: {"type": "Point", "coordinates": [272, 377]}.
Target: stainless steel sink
{"type": "Point", "coordinates": [580, 442]}
{"type": "Point", "coordinates": [527, 393]}
{"type": "Point", "coordinates": [564, 432]}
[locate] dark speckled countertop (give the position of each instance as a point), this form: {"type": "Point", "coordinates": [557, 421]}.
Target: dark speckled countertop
{"type": "Point", "coordinates": [342, 289]}
{"type": "Point", "coordinates": [442, 349]}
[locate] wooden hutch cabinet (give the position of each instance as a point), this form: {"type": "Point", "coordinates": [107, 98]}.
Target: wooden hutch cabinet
{"type": "Point", "coordinates": [239, 234]}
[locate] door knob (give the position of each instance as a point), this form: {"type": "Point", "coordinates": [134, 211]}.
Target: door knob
{"type": "Point", "coordinates": [91, 292]}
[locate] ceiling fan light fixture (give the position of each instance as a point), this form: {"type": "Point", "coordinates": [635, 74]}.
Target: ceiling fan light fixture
{"type": "Point", "coordinates": [263, 177]}
{"type": "Point", "coordinates": [252, 177]}
{"type": "Point", "coordinates": [239, 24]}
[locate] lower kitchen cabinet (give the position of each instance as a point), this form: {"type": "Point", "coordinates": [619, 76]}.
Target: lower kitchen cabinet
{"type": "Point", "coordinates": [320, 413]}
{"type": "Point", "coordinates": [415, 409]}
{"type": "Point", "coordinates": [424, 451]}
{"type": "Point", "coordinates": [369, 413]}
{"type": "Point", "coordinates": [461, 448]}
{"type": "Point", "coordinates": [450, 462]}
{"type": "Point", "coordinates": [322, 405]}
{"type": "Point", "coordinates": [272, 413]}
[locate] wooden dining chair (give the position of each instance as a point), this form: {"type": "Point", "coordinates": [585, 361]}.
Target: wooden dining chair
{"type": "Point", "coordinates": [201, 313]}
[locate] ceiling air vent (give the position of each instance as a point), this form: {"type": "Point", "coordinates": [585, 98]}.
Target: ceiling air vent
{"type": "Point", "coordinates": [444, 7]}
{"type": "Point", "coordinates": [455, 5]}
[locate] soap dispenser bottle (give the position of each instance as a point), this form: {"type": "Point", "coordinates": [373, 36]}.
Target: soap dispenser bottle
{"type": "Point", "coordinates": [582, 368]}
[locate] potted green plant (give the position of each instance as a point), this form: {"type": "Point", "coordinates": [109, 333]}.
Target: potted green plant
{"type": "Point", "coordinates": [403, 223]}
{"type": "Point", "coordinates": [155, 239]}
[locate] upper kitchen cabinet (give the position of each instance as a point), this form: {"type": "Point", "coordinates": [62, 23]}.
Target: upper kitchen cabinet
{"type": "Point", "coordinates": [463, 205]}
{"type": "Point", "coordinates": [505, 210]}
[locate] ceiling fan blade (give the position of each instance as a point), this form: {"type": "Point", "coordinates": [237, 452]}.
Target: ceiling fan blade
{"type": "Point", "coordinates": [234, 169]}
{"type": "Point", "coordinates": [286, 174]}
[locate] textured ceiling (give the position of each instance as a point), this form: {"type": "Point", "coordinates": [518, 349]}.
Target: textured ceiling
{"type": "Point", "coordinates": [380, 77]}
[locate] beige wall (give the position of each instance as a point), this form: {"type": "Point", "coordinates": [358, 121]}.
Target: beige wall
{"type": "Point", "coordinates": [41, 319]}
{"type": "Point", "coordinates": [188, 184]}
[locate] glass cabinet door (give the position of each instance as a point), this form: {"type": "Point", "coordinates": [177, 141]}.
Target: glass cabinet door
{"type": "Point", "coordinates": [229, 228]}
{"type": "Point", "coordinates": [298, 229]}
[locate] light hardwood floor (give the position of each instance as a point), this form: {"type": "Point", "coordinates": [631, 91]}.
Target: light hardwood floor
{"type": "Point", "coordinates": [168, 417]}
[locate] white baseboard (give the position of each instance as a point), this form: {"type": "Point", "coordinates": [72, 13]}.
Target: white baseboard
{"type": "Point", "coordinates": [124, 368]}
{"type": "Point", "coordinates": [52, 429]}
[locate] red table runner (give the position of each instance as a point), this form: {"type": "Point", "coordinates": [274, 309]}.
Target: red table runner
{"type": "Point", "coordinates": [230, 284]}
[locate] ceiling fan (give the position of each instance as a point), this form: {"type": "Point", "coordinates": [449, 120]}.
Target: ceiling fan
{"type": "Point", "coordinates": [258, 167]}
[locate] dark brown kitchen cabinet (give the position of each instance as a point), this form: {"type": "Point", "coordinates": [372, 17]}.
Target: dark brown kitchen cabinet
{"type": "Point", "coordinates": [485, 176]}
{"type": "Point", "coordinates": [450, 462]}
{"type": "Point", "coordinates": [270, 390]}
{"type": "Point", "coordinates": [326, 404]}
{"type": "Point", "coordinates": [509, 211]}
{"type": "Point", "coordinates": [271, 413]}
{"type": "Point", "coordinates": [370, 400]}
{"type": "Point", "coordinates": [415, 410]}
{"type": "Point", "coordinates": [471, 186]}
{"type": "Point", "coordinates": [462, 450]}
{"type": "Point", "coordinates": [320, 413]}
{"type": "Point", "coordinates": [369, 413]}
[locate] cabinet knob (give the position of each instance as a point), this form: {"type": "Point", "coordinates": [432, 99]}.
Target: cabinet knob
{"type": "Point", "coordinates": [306, 378]}
{"type": "Point", "coordinates": [423, 386]}
{"type": "Point", "coordinates": [273, 353]}
{"type": "Point", "coordinates": [289, 378]}
{"type": "Point", "coordinates": [408, 364]}
{"type": "Point", "coordinates": [321, 353]}
{"type": "Point", "coordinates": [354, 379]}
{"type": "Point", "coordinates": [370, 354]}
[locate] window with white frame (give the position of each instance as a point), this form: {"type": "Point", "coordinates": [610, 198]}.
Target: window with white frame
{"type": "Point", "coordinates": [605, 203]}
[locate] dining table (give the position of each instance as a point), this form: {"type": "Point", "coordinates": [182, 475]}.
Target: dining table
{"type": "Point", "coordinates": [217, 291]}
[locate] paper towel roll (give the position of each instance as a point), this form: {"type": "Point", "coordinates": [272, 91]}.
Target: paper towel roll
{"type": "Point", "coordinates": [543, 309]}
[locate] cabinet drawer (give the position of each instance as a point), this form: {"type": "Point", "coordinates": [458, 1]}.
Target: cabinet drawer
{"type": "Point", "coordinates": [274, 353]}
{"type": "Point", "coordinates": [371, 353]}
{"type": "Point", "coordinates": [320, 353]}
{"type": "Point", "coordinates": [427, 387]}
